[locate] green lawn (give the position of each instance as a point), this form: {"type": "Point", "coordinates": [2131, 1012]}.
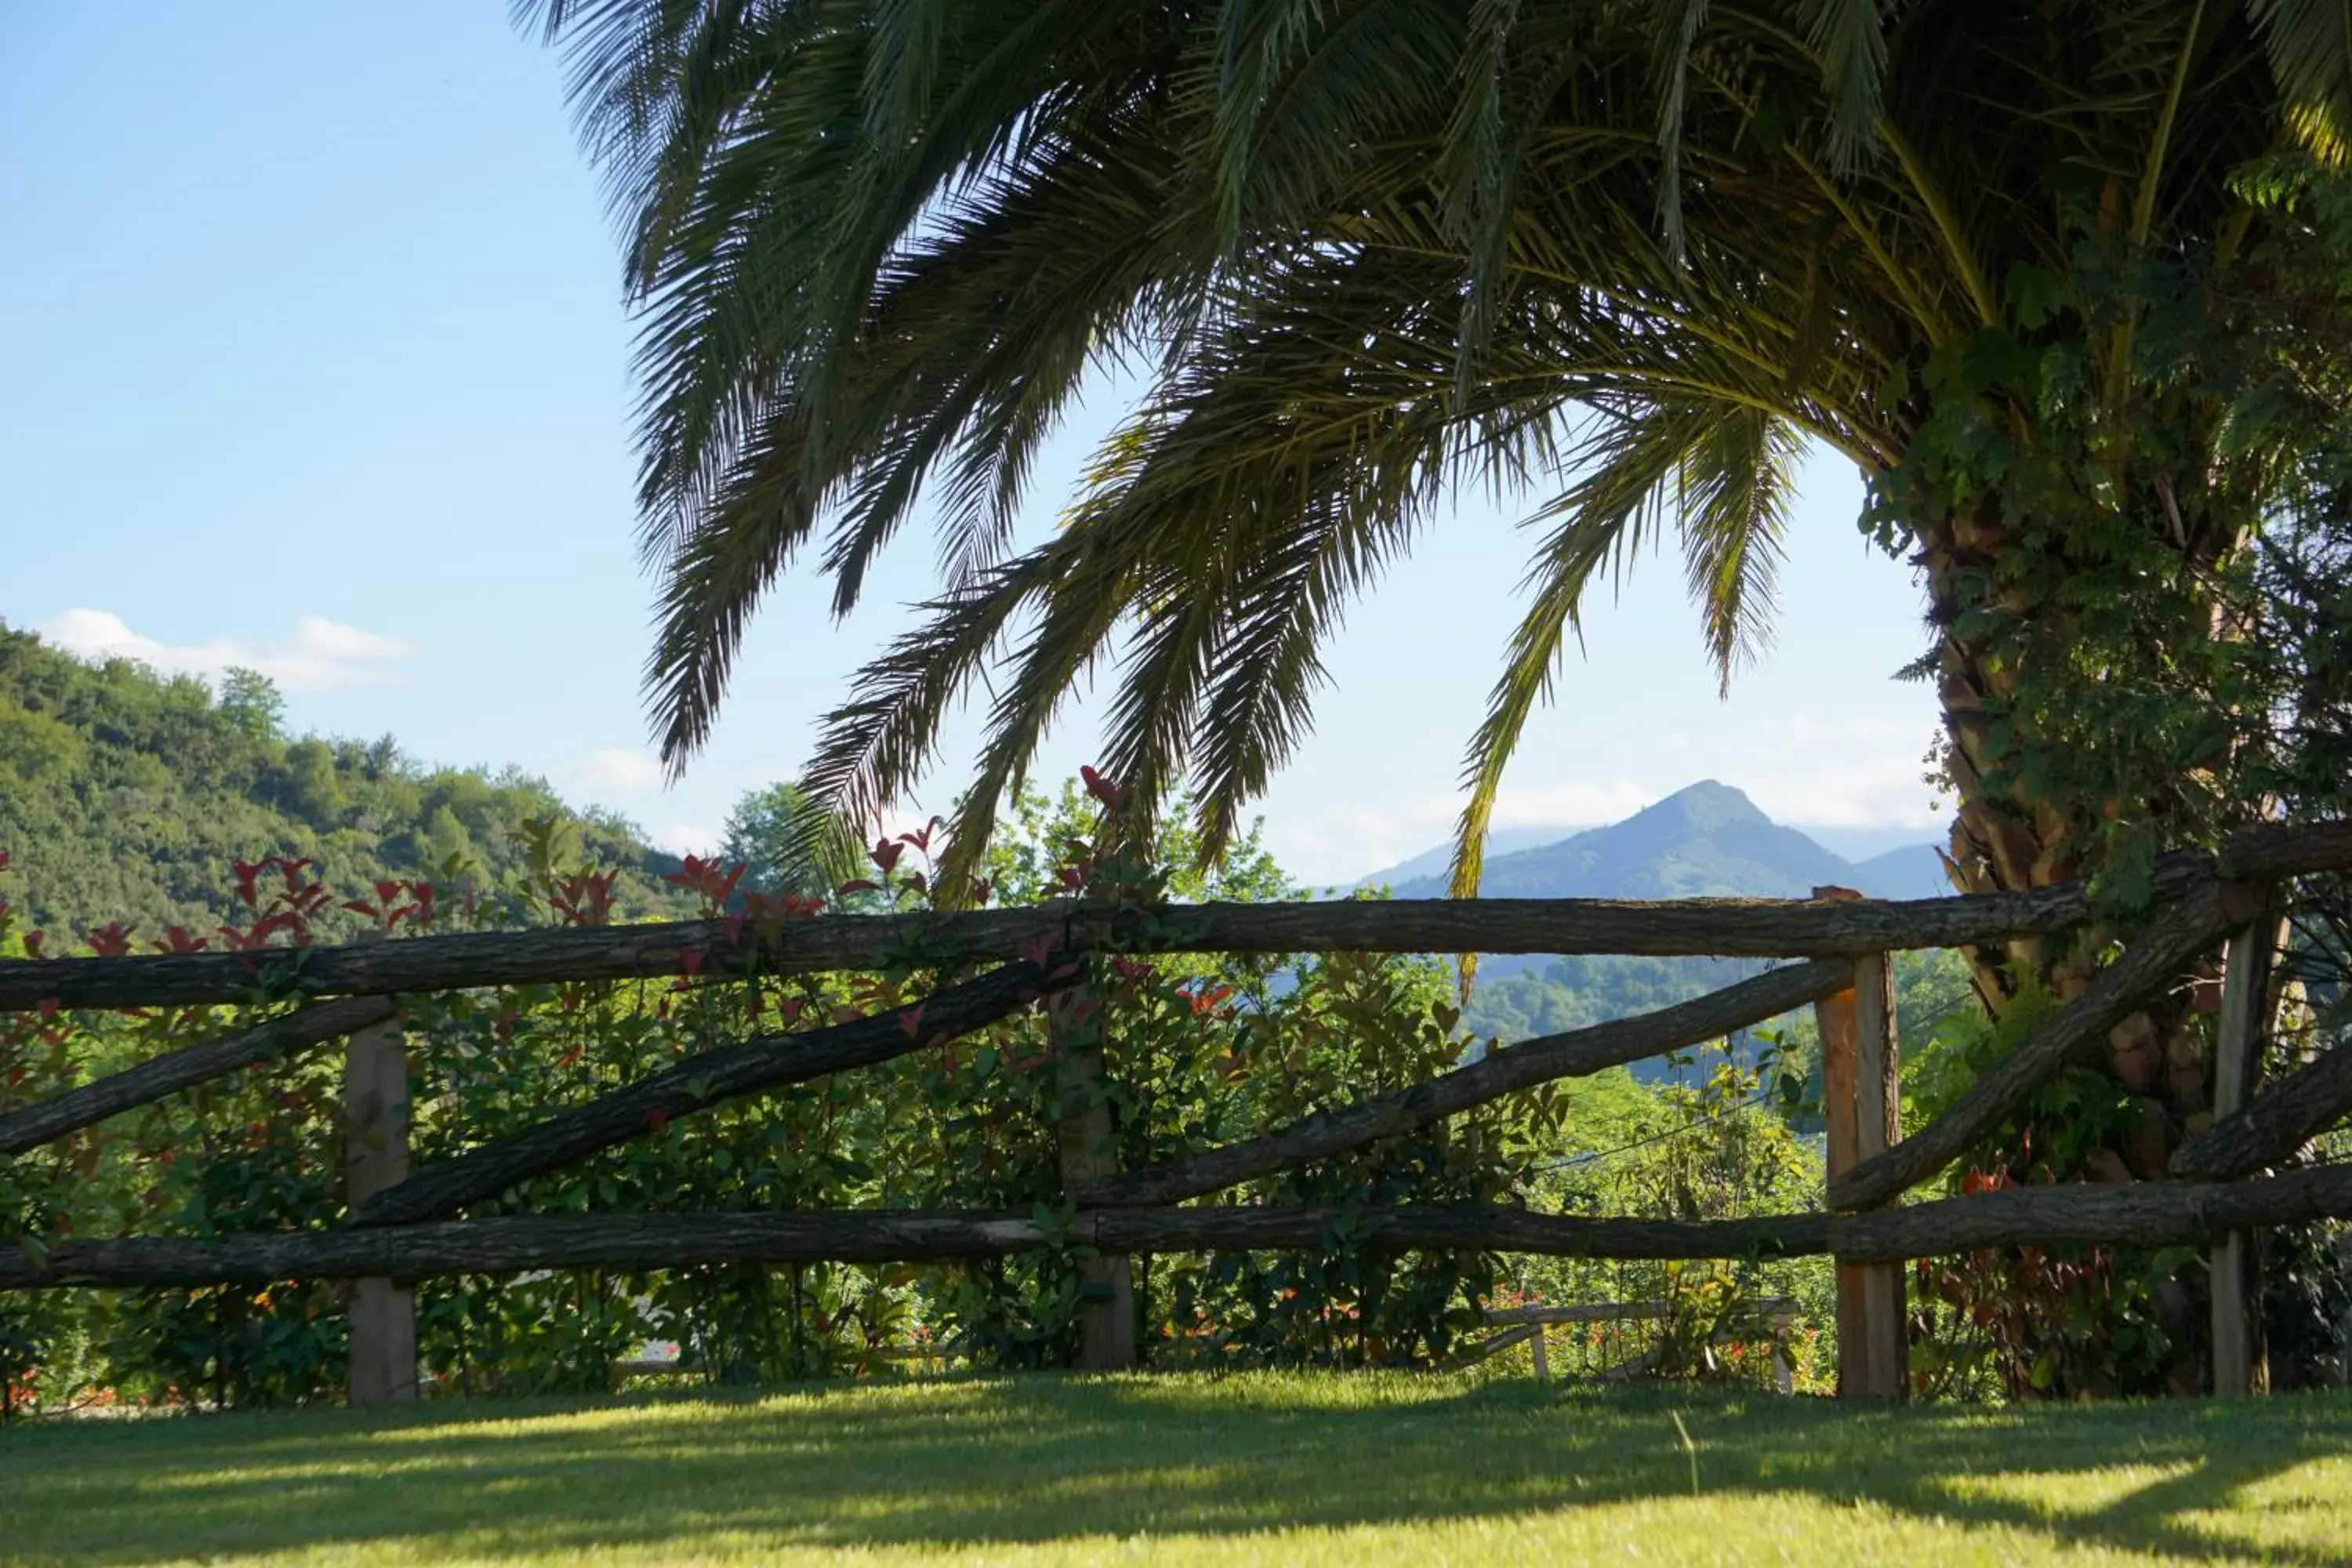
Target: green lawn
{"type": "Point", "coordinates": [1288, 1469]}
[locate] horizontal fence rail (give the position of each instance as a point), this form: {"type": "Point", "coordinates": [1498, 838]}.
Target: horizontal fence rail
{"type": "Point", "coordinates": [168, 1074]}
{"type": "Point", "coordinates": [2145, 1214]}
{"type": "Point", "coordinates": [1502, 1072]}
{"type": "Point", "coordinates": [1733, 928]}
{"type": "Point", "coordinates": [713, 1078]}
{"type": "Point", "coordinates": [2277, 1123]}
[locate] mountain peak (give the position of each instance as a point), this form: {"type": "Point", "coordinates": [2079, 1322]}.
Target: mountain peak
{"type": "Point", "coordinates": [1707, 805]}
{"type": "Point", "coordinates": [1706, 839]}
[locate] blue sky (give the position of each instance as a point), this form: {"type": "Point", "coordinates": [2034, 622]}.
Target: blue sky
{"type": "Point", "coordinates": [315, 361]}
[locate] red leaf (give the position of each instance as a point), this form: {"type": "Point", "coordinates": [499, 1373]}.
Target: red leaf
{"type": "Point", "coordinates": [109, 940]}
{"type": "Point", "coordinates": [177, 939]}
{"type": "Point", "coordinates": [658, 1119]}
{"type": "Point", "coordinates": [911, 1020]}
{"type": "Point", "coordinates": [1110, 794]}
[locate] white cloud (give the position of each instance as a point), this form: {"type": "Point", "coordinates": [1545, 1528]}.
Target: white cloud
{"type": "Point", "coordinates": [1611, 800]}
{"type": "Point", "coordinates": [320, 655]}
{"type": "Point", "coordinates": [1348, 841]}
{"type": "Point", "coordinates": [621, 770]}
{"type": "Point", "coordinates": [686, 837]}
{"type": "Point", "coordinates": [1838, 772]}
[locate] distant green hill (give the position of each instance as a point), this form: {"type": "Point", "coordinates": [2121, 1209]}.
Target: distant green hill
{"type": "Point", "coordinates": [1706, 841]}
{"type": "Point", "coordinates": [124, 796]}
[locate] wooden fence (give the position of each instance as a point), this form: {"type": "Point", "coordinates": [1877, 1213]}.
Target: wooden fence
{"type": "Point", "coordinates": [1531, 1326]}
{"type": "Point", "coordinates": [403, 1225]}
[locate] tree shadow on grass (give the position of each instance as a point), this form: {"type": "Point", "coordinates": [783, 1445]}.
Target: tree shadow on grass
{"type": "Point", "coordinates": [1035, 1459]}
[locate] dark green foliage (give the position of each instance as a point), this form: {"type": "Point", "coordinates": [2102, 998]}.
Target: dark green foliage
{"type": "Point", "coordinates": [126, 797]}
{"type": "Point", "coordinates": [1514, 1001]}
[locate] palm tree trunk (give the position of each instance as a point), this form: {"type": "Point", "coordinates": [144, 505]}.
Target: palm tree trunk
{"type": "Point", "coordinates": [2004, 837]}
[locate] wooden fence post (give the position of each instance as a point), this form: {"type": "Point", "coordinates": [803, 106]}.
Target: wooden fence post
{"type": "Point", "coordinates": [1862, 1103]}
{"type": "Point", "coordinates": [376, 1156]}
{"type": "Point", "coordinates": [1074, 1023]}
{"type": "Point", "coordinates": [2244, 1020]}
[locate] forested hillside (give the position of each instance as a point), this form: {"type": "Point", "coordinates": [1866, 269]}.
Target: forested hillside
{"type": "Point", "coordinates": [125, 795]}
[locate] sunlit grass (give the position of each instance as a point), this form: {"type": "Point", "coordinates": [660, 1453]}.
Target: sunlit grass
{"type": "Point", "coordinates": [1294, 1469]}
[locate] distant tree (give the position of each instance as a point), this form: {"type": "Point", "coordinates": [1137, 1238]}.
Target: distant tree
{"type": "Point", "coordinates": [36, 747]}
{"type": "Point", "coordinates": [770, 833]}
{"type": "Point", "coordinates": [443, 839]}
{"type": "Point", "coordinates": [311, 790]}
{"type": "Point", "coordinates": [383, 758]}
{"type": "Point", "coordinates": [253, 702]}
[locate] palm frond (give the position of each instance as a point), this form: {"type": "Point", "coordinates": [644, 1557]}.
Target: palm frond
{"type": "Point", "coordinates": [2310, 46]}
{"type": "Point", "coordinates": [1368, 253]}
{"type": "Point", "coordinates": [1630, 460]}
{"type": "Point", "coordinates": [1849, 37]}
{"type": "Point", "coordinates": [1732, 497]}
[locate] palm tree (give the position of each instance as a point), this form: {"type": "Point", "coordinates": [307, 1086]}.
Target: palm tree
{"type": "Point", "coordinates": [2015, 260]}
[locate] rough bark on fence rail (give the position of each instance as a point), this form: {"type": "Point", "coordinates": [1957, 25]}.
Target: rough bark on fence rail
{"type": "Point", "coordinates": [510, 1244]}
{"type": "Point", "coordinates": [48, 1119]}
{"type": "Point", "coordinates": [1503, 1071]}
{"type": "Point", "coordinates": [2273, 1125]}
{"type": "Point", "coordinates": [770, 1062]}
{"type": "Point", "coordinates": [2190, 926]}
{"type": "Point", "coordinates": [1736, 928]}
{"type": "Point", "coordinates": [2146, 1214]}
